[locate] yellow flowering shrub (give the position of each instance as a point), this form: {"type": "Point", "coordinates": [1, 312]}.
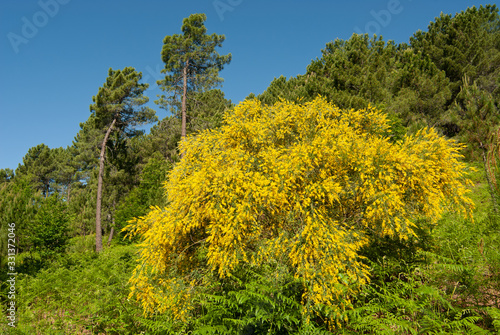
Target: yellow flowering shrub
{"type": "Point", "coordinates": [301, 185]}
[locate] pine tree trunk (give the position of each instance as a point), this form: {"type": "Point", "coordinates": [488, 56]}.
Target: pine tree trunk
{"type": "Point", "coordinates": [98, 229]}
{"type": "Point", "coordinates": [184, 104]}
{"type": "Point", "coordinates": [111, 235]}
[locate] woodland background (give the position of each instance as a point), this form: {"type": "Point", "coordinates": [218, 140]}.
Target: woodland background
{"type": "Point", "coordinates": [446, 279]}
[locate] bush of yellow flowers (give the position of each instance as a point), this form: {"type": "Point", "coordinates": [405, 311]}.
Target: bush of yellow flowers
{"type": "Point", "coordinates": [303, 185]}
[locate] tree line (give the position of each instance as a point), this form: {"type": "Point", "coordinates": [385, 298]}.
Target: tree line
{"type": "Point", "coordinates": [323, 204]}
{"type": "Point", "coordinates": [113, 171]}
{"type": "Point", "coordinates": [446, 77]}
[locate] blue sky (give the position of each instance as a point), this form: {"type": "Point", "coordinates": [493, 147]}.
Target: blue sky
{"type": "Point", "coordinates": [55, 54]}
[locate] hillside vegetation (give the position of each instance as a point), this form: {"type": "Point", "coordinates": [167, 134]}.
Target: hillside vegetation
{"type": "Point", "coordinates": [358, 198]}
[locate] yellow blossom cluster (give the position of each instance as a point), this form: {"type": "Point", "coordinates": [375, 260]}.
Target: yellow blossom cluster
{"type": "Point", "coordinates": [300, 184]}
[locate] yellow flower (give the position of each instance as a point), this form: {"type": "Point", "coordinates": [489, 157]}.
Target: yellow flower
{"type": "Point", "coordinates": [295, 184]}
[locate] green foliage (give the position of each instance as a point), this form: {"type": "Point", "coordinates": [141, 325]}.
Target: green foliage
{"type": "Point", "coordinates": [365, 76]}
{"type": "Point", "coordinates": [467, 264]}
{"type": "Point", "coordinates": [86, 148]}
{"type": "Point", "coordinates": [205, 110]}
{"type": "Point", "coordinates": [80, 244]}
{"type": "Point", "coordinates": [443, 279]}
{"type": "Point", "coordinates": [263, 300]}
{"type": "Point", "coordinates": [305, 186]}
{"type": "Point", "coordinates": [118, 109]}
{"type": "Point", "coordinates": [362, 71]}
{"type": "Point", "coordinates": [253, 301]}
{"type": "Point", "coordinates": [194, 52]}
{"type": "Point", "coordinates": [163, 138]}
{"type": "Point", "coordinates": [398, 301]}
{"type": "Point", "coordinates": [48, 231]}
{"type": "Point", "coordinates": [65, 174]}
{"type": "Point", "coordinates": [121, 98]}
{"type": "Point", "coordinates": [148, 193]}
{"type": "Point", "coordinates": [439, 282]}
{"type": "Point", "coordinates": [467, 44]}
{"type": "Point", "coordinates": [39, 164]}
{"type": "Point", "coordinates": [6, 175]}
{"type": "Point", "coordinates": [416, 82]}
{"type": "Point", "coordinates": [467, 48]}
{"type": "Point", "coordinates": [81, 208]}
{"type": "Point", "coordinates": [464, 261]}
{"type": "Point", "coordinates": [494, 313]}
{"type": "Point", "coordinates": [420, 90]}
{"type": "Point", "coordinates": [19, 202]}
{"type": "Point", "coordinates": [81, 203]}
{"type": "Point", "coordinates": [293, 89]}
{"type": "Point", "coordinates": [79, 293]}
{"type": "Point", "coordinates": [478, 117]}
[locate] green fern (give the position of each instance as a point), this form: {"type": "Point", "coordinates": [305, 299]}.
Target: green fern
{"type": "Point", "coordinates": [403, 304]}
{"type": "Point", "coordinates": [494, 313]}
{"type": "Point", "coordinates": [252, 301]}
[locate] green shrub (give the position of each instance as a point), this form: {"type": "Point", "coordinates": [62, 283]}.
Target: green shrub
{"type": "Point", "coordinates": [49, 229]}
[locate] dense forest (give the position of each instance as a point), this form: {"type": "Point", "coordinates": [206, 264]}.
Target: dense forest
{"type": "Point", "coordinates": [358, 198]}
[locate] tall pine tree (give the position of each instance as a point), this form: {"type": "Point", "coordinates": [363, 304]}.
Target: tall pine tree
{"type": "Point", "coordinates": [191, 64]}
{"type": "Point", "coordinates": [118, 107]}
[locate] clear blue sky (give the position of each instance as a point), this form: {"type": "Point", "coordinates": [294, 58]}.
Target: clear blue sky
{"type": "Point", "coordinates": [55, 54]}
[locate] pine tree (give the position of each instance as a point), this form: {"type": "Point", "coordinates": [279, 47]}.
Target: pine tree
{"type": "Point", "coordinates": [6, 175]}
{"type": "Point", "coordinates": [39, 164]}
{"type": "Point", "coordinates": [478, 117]}
{"type": "Point", "coordinates": [204, 111]}
{"type": "Point", "coordinates": [191, 64]}
{"type": "Point", "coordinates": [467, 44]}
{"type": "Point", "coordinates": [118, 107]}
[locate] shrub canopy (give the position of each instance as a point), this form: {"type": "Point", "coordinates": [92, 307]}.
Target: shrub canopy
{"type": "Point", "coordinates": [301, 185]}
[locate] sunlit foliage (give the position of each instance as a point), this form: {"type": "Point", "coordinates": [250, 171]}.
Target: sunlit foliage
{"type": "Point", "coordinates": [300, 185]}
